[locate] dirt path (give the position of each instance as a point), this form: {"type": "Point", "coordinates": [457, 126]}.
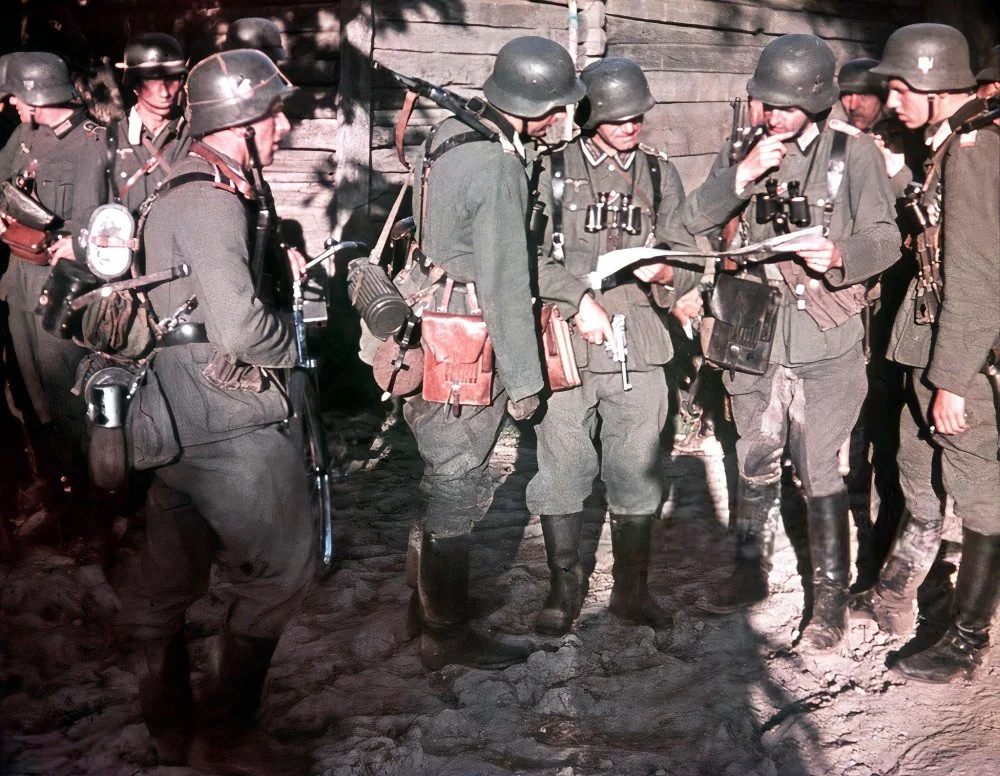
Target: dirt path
{"type": "Point", "coordinates": [723, 696]}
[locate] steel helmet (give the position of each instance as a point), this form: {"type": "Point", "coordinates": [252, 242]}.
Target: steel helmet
{"type": "Point", "coordinates": [4, 89]}
{"type": "Point", "coordinates": [232, 88]}
{"type": "Point", "coordinates": [255, 32]}
{"type": "Point", "coordinates": [991, 69]}
{"type": "Point", "coordinates": [152, 55]}
{"type": "Point", "coordinates": [617, 90]}
{"type": "Point", "coordinates": [855, 77]}
{"type": "Point", "coordinates": [532, 76]}
{"type": "Point", "coordinates": [39, 79]}
{"type": "Point", "coordinates": [929, 58]}
{"type": "Point", "coordinates": [795, 71]}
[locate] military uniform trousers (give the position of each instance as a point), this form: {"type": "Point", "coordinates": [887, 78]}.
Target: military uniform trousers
{"type": "Point", "coordinates": [630, 461]}
{"type": "Point", "coordinates": [456, 454]}
{"type": "Point", "coordinates": [48, 363]}
{"type": "Point", "coordinates": [965, 464]}
{"type": "Point", "coordinates": [810, 407]}
{"type": "Point", "coordinates": [243, 502]}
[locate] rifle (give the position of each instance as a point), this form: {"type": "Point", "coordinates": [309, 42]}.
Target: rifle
{"type": "Point", "coordinates": [989, 114]}
{"type": "Point", "coordinates": [469, 112]}
{"type": "Point", "coordinates": [265, 231]}
{"type": "Point", "coordinates": [742, 138]}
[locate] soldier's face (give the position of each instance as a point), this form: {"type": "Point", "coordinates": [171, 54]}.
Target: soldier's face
{"type": "Point", "coordinates": [784, 121]}
{"type": "Point", "coordinates": [158, 96]}
{"type": "Point", "coordinates": [912, 108]}
{"type": "Point", "coordinates": [269, 132]}
{"type": "Point", "coordinates": [538, 127]}
{"type": "Point", "coordinates": [620, 136]}
{"type": "Point", "coordinates": [862, 109]}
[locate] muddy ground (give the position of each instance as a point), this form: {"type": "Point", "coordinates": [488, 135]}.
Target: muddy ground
{"type": "Point", "coordinates": [719, 696]}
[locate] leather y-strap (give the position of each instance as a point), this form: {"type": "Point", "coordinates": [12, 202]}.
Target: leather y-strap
{"type": "Point", "coordinates": [402, 121]}
{"type": "Point", "coordinates": [233, 180]}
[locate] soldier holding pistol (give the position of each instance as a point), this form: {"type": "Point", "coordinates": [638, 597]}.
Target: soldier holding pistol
{"type": "Point", "coordinates": [804, 171]}
{"type": "Point", "coordinates": [606, 191]}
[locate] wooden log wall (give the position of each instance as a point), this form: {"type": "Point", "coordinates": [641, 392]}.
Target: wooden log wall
{"type": "Point", "coordinates": [454, 44]}
{"type": "Point", "coordinates": [699, 54]}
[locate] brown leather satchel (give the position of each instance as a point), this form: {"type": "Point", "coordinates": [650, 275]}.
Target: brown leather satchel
{"type": "Point", "coordinates": [557, 348]}
{"type": "Point", "coordinates": [26, 243]}
{"type": "Point", "coordinates": [458, 355]}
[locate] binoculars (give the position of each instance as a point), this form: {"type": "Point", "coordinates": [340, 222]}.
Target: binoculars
{"type": "Point", "coordinates": [792, 208]}
{"type": "Point", "coordinates": [613, 213]}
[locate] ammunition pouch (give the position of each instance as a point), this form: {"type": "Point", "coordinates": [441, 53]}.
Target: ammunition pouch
{"type": "Point", "coordinates": [67, 281]}
{"type": "Point", "coordinates": [26, 243]}
{"type": "Point", "coordinates": [745, 313]}
{"type": "Point", "coordinates": [376, 299]}
{"type": "Point", "coordinates": [557, 350]}
{"type": "Point", "coordinates": [929, 280]}
{"type": "Point", "coordinates": [223, 372]}
{"type": "Point", "coordinates": [458, 360]}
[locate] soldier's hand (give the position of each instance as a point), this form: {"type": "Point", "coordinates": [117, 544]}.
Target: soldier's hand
{"type": "Point", "coordinates": [658, 272]}
{"type": "Point", "coordinates": [766, 155]}
{"type": "Point", "coordinates": [297, 263]}
{"type": "Point", "coordinates": [819, 253]}
{"type": "Point", "coordinates": [893, 162]}
{"type": "Point", "coordinates": [948, 412]}
{"type": "Point", "coordinates": [522, 409]}
{"type": "Point", "coordinates": [61, 249]}
{"type": "Point", "coordinates": [592, 322]}
{"type": "Point", "coordinates": [688, 306]}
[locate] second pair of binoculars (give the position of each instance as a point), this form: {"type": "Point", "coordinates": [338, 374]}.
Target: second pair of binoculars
{"type": "Point", "coordinates": [792, 207]}
{"type": "Point", "coordinates": [613, 211]}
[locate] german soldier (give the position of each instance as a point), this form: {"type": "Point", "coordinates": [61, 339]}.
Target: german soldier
{"type": "Point", "coordinates": [471, 220]}
{"type": "Point", "coordinates": [229, 484]}
{"type": "Point", "coordinates": [811, 392]}
{"type": "Point", "coordinates": [944, 341]}
{"type": "Point", "coordinates": [57, 157]}
{"type": "Point", "coordinates": [254, 32]}
{"type": "Point", "coordinates": [607, 164]}
{"type": "Point", "coordinates": [147, 142]}
{"type": "Point", "coordinates": [989, 77]}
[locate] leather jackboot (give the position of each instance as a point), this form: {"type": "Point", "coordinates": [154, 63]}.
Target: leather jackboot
{"type": "Point", "coordinates": [444, 600]}
{"type": "Point", "coordinates": [829, 550]}
{"type": "Point", "coordinates": [758, 510]}
{"type": "Point", "coordinates": [165, 697]}
{"type": "Point", "coordinates": [891, 602]}
{"type": "Point", "coordinates": [566, 586]}
{"type": "Point", "coordinates": [630, 597]}
{"type": "Point", "coordinates": [962, 648]}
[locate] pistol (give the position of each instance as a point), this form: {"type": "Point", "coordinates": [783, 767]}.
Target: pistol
{"type": "Point", "coordinates": [618, 348]}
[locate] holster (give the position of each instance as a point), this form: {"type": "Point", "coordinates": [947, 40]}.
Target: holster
{"type": "Point", "coordinates": [557, 349]}
{"type": "Point", "coordinates": [66, 281]}
{"type": "Point", "coordinates": [745, 313]}
{"type": "Point", "coordinates": [27, 243]}
{"type": "Point", "coordinates": [458, 355]}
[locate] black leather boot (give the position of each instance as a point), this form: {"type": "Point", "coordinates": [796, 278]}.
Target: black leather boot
{"type": "Point", "coordinates": [165, 697]}
{"type": "Point", "coordinates": [444, 600]}
{"type": "Point", "coordinates": [758, 510]}
{"type": "Point", "coordinates": [630, 597]}
{"type": "Point", "coordinates": [961, 650]}
{"type": "Point", "coordinates": [228, 743]}
{"type": "Point", "coordinates": [830, 552]}
{"type": "Point", "coordinates": [891, 602]}
{"type": "Point", "coordinates": [566, 591]}
{"type": "Point", "coordinates": [234, 698]}
{"type": "Point", "coordinates": [414, 616]}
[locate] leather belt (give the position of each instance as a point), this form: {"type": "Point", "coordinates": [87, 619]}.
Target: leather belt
{"type": "Point", "coordinates": [621, 278]}
{"type": "Point", "coordinates": [185, 334]}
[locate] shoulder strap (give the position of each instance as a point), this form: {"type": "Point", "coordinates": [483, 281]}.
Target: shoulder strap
{"type": "Point", "coordinates": [430, 157]}
{"type": "Point", "coordinates": [834, 175]}
{"type": "Point", "coordinates": [656, 180]}
{"type": "Point", "coordinates": [558, 189]}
